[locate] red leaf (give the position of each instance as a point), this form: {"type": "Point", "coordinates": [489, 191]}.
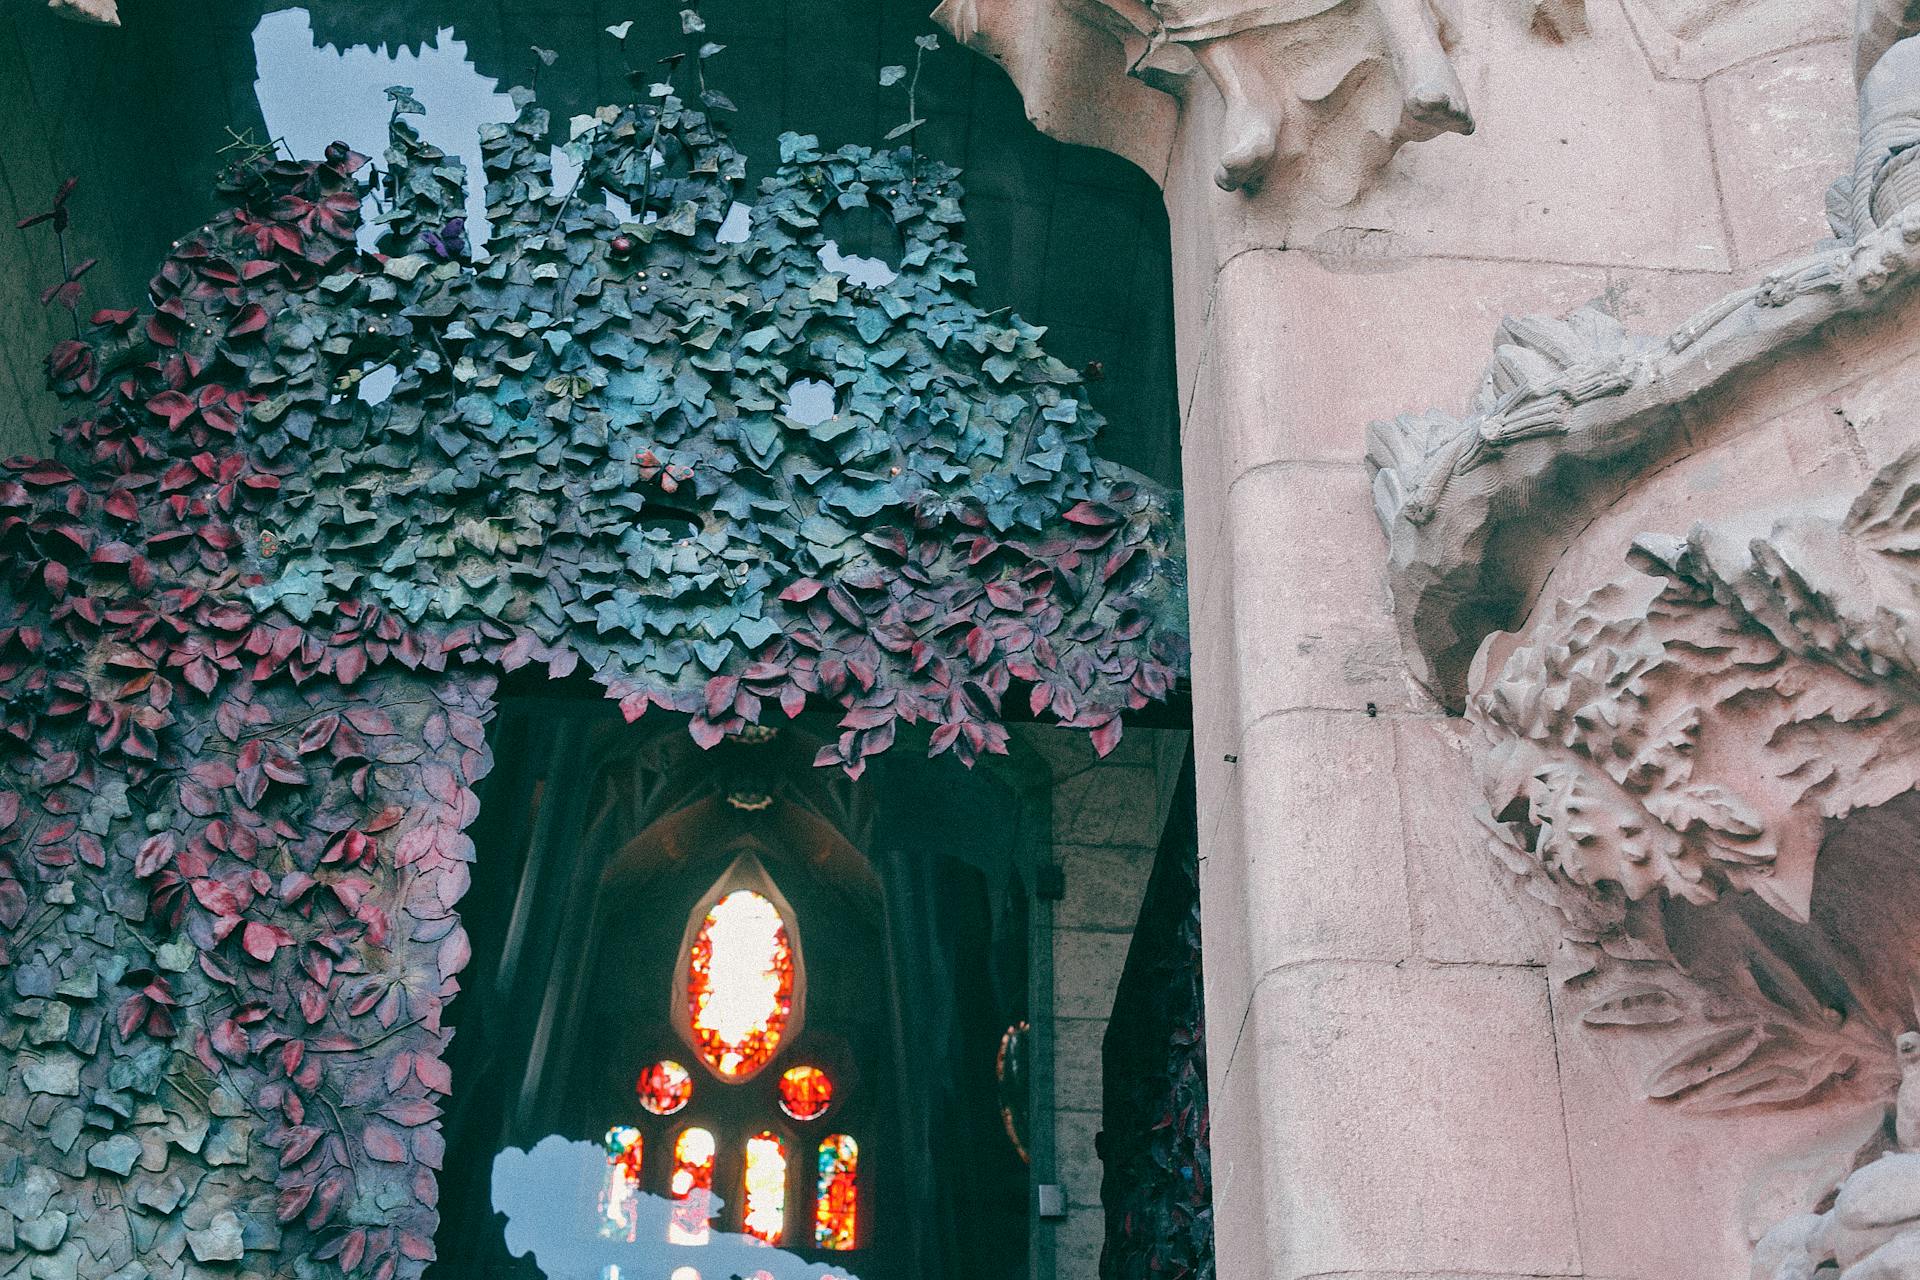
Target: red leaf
{"type": "Point", "coordinates": [172, 406]}
{"type": "Point", "coordinates": [262, 941]}
{"type": "Point", "coordinates": [1107, 736]}
{"type": "Point", "coordinates": [802, 591]}
{"type": "Point", "coordinates": [252, 319]}
{"type": "Point", "coordinates": [230, 1040]}
{"type": "Point", "coordinates": [433, 1073]}
{"type": "Point", "coordinates": [385, 1145]}
{"type": "Point", "coordinates": [293, 1200]}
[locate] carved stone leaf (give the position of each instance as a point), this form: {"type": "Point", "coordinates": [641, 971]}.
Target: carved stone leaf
{"type": "Point", "coordinates": [1703, 1058]}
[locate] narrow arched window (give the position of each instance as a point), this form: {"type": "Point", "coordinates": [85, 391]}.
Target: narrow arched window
{"type": "Point", "coordinates": [764, 1188]}
{"type": "Point", "coordinates": [692, 1187]}
{"type": "Point", "coordinates": [836, 1223]}
{"type": "Point", "coordinates": [620, 1195]}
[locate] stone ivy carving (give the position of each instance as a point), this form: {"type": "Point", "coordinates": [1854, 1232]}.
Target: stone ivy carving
{"type": "Point", "coordinates": [1570, 411]}
{"type": "Point", "coordinates": [252, 619]}
{"type": "Point", "coordinates": [1667, 761]}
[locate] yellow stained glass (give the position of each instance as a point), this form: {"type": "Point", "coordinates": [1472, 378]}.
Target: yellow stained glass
{"type": "Point", "coordinates": [765, 1187]}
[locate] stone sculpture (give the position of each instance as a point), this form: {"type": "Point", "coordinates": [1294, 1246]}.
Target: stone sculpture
{"type": "Point", "coordinates": [1570, 412]}
{"type": "Point", "coordinates": [1324, 91]}
{"type": "Point", "coordinates": [1327, 50]}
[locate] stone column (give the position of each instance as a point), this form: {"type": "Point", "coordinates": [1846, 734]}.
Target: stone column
{"type": "Point", "coordinates": [1394, 1090]}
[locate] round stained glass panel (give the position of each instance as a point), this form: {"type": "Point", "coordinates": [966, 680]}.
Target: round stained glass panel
{"type": "Point", "coordinates": [806, 1093]}
{"type": "Point", "coordinates": [664, 1088]}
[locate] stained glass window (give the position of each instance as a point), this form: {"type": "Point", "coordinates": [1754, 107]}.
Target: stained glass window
{"type": "Point", "coordinates": [836, 1223]}
{"type": "Point", "coordinates": [765, 1187]}
{"type": "Point", "coordinates": [692, 1187]}
{"type": "Point", "coordinates": [805, 1093]}
{"type": "Point", "coordinates": [740, 984]}
{"type": "Point", "coordinates": [664, 1088]}
{"type": "Point", "coordinates": [620, 1196]}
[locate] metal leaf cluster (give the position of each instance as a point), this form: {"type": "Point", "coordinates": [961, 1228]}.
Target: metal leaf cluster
{"type": "Point", "coordinates": [251, 622]}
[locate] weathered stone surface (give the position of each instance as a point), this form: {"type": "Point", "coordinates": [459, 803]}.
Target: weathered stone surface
{"type": "Point", "coordinates": [1779, 138]}
{"type": "Point", "coordinates": [1307, 556]}
{"type": "Point", "coordinates": [1408, 1101]}
{"type": "Point", "coordinates": [1324, 869]}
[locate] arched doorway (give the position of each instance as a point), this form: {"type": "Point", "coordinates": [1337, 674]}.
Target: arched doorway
{"type": "Point", "coordinates": [772, 998]}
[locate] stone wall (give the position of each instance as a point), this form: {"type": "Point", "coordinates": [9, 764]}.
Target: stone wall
{"type": "Point", "coordinates": [1399, 1086]}
{"type": "Point", "coordinates": [1107, 818]}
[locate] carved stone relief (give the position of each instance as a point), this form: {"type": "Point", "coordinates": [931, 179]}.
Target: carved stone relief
{"type": "Point", "coordinates": [1571, 411]}
{"type": "Point", "coordinates": [1321, 91]}
{"type": "Point", "coordinates": [1713, 774]}
{"type": "Point", "coordinates": [1710, 770]}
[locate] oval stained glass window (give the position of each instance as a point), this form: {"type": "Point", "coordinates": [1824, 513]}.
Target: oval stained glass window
{"type": "Point", "coordinates": [740, 978]}
{"type": "Point", "coordinates": [805, 1093]}
{"type": "Point", "coordinates": [765, 1215]}
{"type": "Point", "coordinates": [665, 1088]}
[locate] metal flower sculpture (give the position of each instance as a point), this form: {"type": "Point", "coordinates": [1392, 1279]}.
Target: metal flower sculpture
{"type": "Point", "coordinates": [252, 621]}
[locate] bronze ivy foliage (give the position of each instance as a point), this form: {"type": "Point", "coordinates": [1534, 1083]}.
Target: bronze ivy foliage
{"type": "Point", "coordinates": [587, 453]}
{"type": "Point", "coordinates": [251, 621]}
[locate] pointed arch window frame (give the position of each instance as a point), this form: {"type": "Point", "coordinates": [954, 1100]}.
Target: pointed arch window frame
{"type": "Point", "coordinates": [746, 871]}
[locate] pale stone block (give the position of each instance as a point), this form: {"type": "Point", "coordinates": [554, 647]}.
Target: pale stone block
{"type": "Point", "coordinates": [1581, 154]}
{"type": "Point", "coordinates": [1879, 412]}
{"type": "Point", "coordinates": [1078, 1163]}
{"type": "Point", "coordinates": [1312, 612]}
{"type": "Point", "coordinates": [1105, 884]}
{"type": "Point", "coordinates": [1242, 1206]}
{"type": "Point", "coordinates": [1739, 474]}
{"type": "Point", "coordinates": [1086, 971]}
{"type": "Point", "coordinates": [1411, 1121]}
{"type": "Point", "coordinates": [1783, 128]}
{"type": "Point", "coordinates": [1227, 969]}
{"type": "Point", "coordinates": [1077, 1063]}
{"type": "Point", "coordinates": [1656, 303]}
{"type": "Point", "coordinates": [1466, 906]}
{"type": "Point", "coordinates": [1314, 348]}
{"type": "Point", "coordinates": [1324, 866]}
{"type": "Point", "coordinates": [1693, 39]}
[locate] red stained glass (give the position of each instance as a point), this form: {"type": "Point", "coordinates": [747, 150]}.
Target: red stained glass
{"type": "Point", "coordinates": [620, 1196]}
{"type": "Point", "coordinates": [836, 1224]}
{"type": "Point", "coordinates": [740, 984]}
{"type": "Point", "coordinates": [765, 1215]}
{"type": "Point", "coordinates": [692, 1187]}
{"type": "Point", "coordinates": [664, 1088]}
{"type": "Point", "coordinates": [805, 1093]}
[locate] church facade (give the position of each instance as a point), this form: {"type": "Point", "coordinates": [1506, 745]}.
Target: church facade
{"type": "Point", "coordinates": [1432, 610]}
